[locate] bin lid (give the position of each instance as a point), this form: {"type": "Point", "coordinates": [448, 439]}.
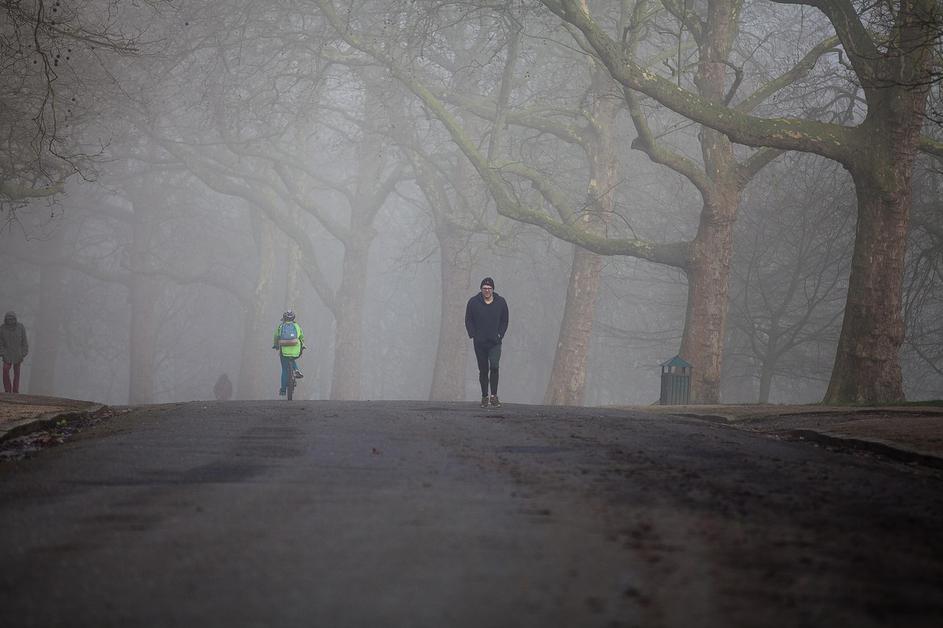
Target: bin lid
{"type": "Point", "coordinates": [676, 361]}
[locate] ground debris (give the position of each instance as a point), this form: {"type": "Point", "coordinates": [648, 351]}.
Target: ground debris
{"type": "Point", "coordinates": [56, 433]}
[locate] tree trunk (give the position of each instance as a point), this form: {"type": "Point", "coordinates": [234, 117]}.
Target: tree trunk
{"type": "Point", "coordinates": [348, 329]}
{"type": "Point", "coordinates": [259, 367]}
{"type": "Point", "coordinates": [702, 343]}
{"type": "Point", "coordinates": [567, 385]}
{"type": "Point", "coordinates": [144, 295]}
{"type": "Point", "coordinates": [766, 381]}
{"type": "Point", "coordinates": [708, 275]}
{"type": "Point", "coordinates": [867, 362]}
{"type": "Point", "coordinates": [568, 377]}
{"type": "Point", "coordinates": [143, 341]}
{"type": "Point", "coordinates": [367, 199]}
{"type": "Point", "coordinates": [448, 376]}
{"type": "Point", "coordinates": [719, 181]}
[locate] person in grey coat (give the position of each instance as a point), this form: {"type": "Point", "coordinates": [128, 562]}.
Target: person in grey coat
{"type": "Point", "coordinates": [13, 350]}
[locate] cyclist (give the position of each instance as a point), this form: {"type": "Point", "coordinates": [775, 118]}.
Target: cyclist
{"type": "Point", "coordinates": [289, 341]}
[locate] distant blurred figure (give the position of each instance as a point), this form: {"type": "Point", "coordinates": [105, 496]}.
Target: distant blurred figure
{"type": "Point", "coordinates": [223, 388]}
{"type": "Point", "coordinates": [13, 350]}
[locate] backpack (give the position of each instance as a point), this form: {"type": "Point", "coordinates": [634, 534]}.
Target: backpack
{"type": "Point", "coordinates": [288, 334]}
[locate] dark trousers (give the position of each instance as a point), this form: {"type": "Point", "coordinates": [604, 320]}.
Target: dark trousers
{"type": "Point", "coordinates": [11, 386]}
{"type": "Point", "coordinates": [488, 356]}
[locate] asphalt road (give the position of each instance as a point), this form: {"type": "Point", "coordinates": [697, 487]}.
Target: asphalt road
{"type": "Point", "coordinates": [415, 514]}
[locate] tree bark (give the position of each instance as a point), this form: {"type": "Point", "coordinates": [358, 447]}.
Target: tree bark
{"type": "Point", "coordinates": [768, 360]}
{"type": "Point", "coordinates": [143, 341]}
{"type": "Point", "coordinates": [448, 376]}
{"type": "Point", "coordinates": [568, 377]}
{"type": "Point", "coordinates": [867, 362]}
{"type": "Point", "coordinates": [708, 275]}
{"type": "Point", "coordinates": [708, 271]}
{"type": "Point", "coordinates": [567, 385]}
{"type": "Point", "coordinates": [259, 366]}
{"type": "Point", "coordinates": [144, 293]}
{"type": "Point", "coordinates": [766, 382]}
{"type": "Point", "coordinates": [348, 330]}
{"type": "Point", "coordinates": [373, 185]}
{"type": "Point", "coordinates": [896, 84]}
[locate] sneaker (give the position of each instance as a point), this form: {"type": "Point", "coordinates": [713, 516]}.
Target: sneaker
{"type": "Point", "coordinates": [282, 392]}
{"type": "Point", "coordinates": [298, 374]}
{"type": "Point", "coordinates": [484, 402]}
{"type": "Point", "coordinates": [495, 403]}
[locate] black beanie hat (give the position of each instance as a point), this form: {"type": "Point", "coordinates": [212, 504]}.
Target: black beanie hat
{"type": "Point", "coordinates": [487, 281]}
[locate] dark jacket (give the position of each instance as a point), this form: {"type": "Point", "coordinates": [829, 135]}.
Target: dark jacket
{"type": "Point", "coordinates": [13, 344]}
{"type": "Point", "coordinates": [486, 322]}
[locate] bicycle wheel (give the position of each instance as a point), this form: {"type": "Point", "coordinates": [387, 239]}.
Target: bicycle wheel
{"type": "Point", "coordinates": [291, 384]}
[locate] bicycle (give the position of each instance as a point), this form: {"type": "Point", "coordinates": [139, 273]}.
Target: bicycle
{"type": "Point", "coordinates": [288, 337]}
{"type": "Point", "coordinates": [290, 389]}
{"type": "Point", "coordinates": [293, 377]}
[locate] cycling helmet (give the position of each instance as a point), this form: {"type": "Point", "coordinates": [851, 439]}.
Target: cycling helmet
{"type": "Point", "coordinates": [288, 316]}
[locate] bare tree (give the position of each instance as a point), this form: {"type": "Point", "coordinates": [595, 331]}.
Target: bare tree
{"type": "Point", "coordinates": [890, 52]}
{"type": "Point", "coordinates": [720, 180]}
{"type": "Point", "coordinates": [791, 269]}
{"type": "Point", "coordinates": [923, 286]}
{"type": "Point", "coordinates": [55, 60]}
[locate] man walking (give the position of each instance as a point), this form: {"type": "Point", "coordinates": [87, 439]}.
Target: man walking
{"type": "Point", "coordinates": [13, 350]}
{"type": "Point", "coordinates": [486, 321]}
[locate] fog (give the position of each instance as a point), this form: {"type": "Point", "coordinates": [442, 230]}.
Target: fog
{"type": "Point", "coordinates": [183, 174]}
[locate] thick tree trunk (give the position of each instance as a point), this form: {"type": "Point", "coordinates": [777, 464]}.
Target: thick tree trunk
{"type": "Point", "coordinates": [259, 368]}
{"type": "Point", "coordinates": [143, 341]}
{"type": "Point", "coordinates": [708, 275]}
{"type": "Point", "coordinates": [567, 385]}
{"type": "Point", "coordinates": [448, 376]}
{"type": "Point", "coordinates": [144, 295]}
{"type": "Point", "coordinates": [369, 195]}
{"type": "Point", "coordinates": [348, 330]}
{"type": "Point", "coordinates": [766, 382]}
{"type": "Point", "coordinates": [702, 342]}
{"type": "Point", "coordinates": [867, 363]}
{"type": "Point", "coordinates": [568, 378]}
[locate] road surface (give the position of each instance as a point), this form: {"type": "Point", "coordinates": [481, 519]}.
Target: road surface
{"type": "Point", "coordinates": [447, 515]}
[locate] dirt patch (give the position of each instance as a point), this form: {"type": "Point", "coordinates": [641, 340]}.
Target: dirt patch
{"type": "Point", "coordinates": [16, 407]}
{"type": "Point", "coordinates": [919, 432]}
{"type": "Point", "coordinates": [15, 412]}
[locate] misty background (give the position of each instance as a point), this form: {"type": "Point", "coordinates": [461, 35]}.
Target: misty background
{"type": "Point", "coordinates": [177, 175]}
